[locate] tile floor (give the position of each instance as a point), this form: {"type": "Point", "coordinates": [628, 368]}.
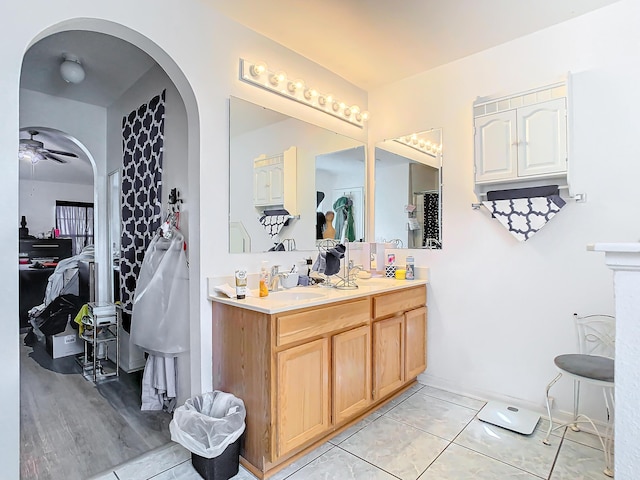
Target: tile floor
{"type": "Point", "coordinates": [424, 434]}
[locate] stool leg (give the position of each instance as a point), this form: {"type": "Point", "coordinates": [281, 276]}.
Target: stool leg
{"type": "Point", "coordinates": [576, 405]}
{"type": "Point", "coordinates": [608, 440]}
{"type": "Point", "coordinates": [546, 438]}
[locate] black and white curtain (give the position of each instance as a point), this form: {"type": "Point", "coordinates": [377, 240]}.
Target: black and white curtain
{"type": "Point", "coordinates": [431, 235]}
{"type": "Point", "coordinates": [141, 196]}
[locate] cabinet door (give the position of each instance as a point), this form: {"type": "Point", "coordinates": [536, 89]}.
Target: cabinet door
{"type": "Point", "coordinates": [351, 372]}
{"type": "Point", "coordinates": [388, 356]}
{"type": "Point", "coordinates": [302, 394]}
{"type": "Point", "coordinates": [415, 361]}
{"type": "Point", "coordinates": [542, 138]}
{"type": "Point", "coordinates": [276, 184]}
{"type": "Point", "coordinates": [261, 186]}
{"type": "Point", "coordinates": [496, 147]}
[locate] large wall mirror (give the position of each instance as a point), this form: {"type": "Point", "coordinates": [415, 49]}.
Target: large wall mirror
{"type": "Point", "coordinates": [408, 190]}
{"type": "Point", "coordinates": [284, 176]}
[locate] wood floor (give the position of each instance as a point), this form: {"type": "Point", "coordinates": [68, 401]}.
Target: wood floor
{"type": "Point", "coordinates": [71, 429]}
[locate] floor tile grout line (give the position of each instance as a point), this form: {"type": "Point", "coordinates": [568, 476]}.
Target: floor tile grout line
{"type": "Point", "coordinates": [458, 404]}
{"type": "Point", "coordinates": [309, 462]}
{"type": "Point", "coordinates": [487, 456]}
{"type": "Point", "coordinates": [555, 458]}
{"type": "Point", "coordinates": [370, 463]}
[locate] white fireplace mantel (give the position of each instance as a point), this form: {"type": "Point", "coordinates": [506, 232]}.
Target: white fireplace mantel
{"type": "Point", "coordinates": [624, 260]}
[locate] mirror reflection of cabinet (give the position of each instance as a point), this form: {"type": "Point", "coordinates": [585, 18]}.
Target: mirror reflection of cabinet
{"type": "Point", "coordinates": [275, 181]}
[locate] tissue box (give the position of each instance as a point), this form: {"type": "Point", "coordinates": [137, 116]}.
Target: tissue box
{"type": "Point", "coordinates": [390, 271]}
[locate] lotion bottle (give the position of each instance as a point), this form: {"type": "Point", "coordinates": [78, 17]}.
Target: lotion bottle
{"type": "Point", "coordinates": [264, 279]}
{"type": "Point", "coordinates": [241, 284]}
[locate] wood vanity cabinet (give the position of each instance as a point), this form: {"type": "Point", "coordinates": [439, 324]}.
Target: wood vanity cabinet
{"type": "Point", "coordinates": [306, 373]}
{"type": "Point", "coordinates": [399, 339]}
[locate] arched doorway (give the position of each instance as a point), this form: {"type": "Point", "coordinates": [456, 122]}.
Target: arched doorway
{"type": "Point", "coordinates": [188, 373]}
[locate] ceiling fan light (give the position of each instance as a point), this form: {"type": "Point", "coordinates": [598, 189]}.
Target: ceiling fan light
{"type": "Point", "coordinates": [71, 70]}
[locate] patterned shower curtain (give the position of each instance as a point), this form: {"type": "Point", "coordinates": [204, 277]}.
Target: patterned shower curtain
{"type": "Point", "coordinates": [431, 219]}
{"type": "Point", "coordinates": [141, 195]}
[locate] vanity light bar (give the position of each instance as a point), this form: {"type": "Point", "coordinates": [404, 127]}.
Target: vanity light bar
{"type": "Point", "coordinates": [413, 141]}
{"type": "Point", "coordinates": [258, 74]}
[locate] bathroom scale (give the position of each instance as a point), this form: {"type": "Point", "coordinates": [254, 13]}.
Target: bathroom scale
{"type": "Point", "coordinates": [509, 417]}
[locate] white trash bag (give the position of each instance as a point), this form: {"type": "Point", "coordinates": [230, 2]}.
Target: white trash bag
{"type": "Point", "coordinates": [206, 424]}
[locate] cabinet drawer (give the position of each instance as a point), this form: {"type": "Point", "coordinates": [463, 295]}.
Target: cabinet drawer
{"type": "Point", "coordinates": [299, 326]}
{"type": "Point", "coordinates": [398, 302]}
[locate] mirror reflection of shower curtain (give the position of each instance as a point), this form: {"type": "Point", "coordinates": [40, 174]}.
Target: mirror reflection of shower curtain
{"type": "Point", "coordinates": [141, 193]}
{"type": "Point", "coordinates": [431, 235]}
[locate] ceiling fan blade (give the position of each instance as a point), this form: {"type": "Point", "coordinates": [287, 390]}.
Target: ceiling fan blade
{"type": "Point", "coordinates": [50, 156]}
{"type": "Point", "coordinates": [67, 154]}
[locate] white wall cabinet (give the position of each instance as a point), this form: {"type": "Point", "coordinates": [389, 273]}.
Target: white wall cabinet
{"type": "Point", "coordinates": [522, 140]}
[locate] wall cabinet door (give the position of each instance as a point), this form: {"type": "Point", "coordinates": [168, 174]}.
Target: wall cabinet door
{"type": "Point", "coordinates": [302, 394]}
{"type": "Point", "coordinates": [388, 353]}
{"type": "Point", "coordinates": [351, 352]}
{"type": "Point", "coordinates": [542, 138]}
{"type": "Point", "coordinates": [496, 147]}
{"type": "Point", "coordinates": [415, 361]}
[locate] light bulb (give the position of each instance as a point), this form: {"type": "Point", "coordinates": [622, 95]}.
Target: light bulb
{"type": "Point", "coordinates": [293, 86]}
{"type": "Point", "coordinates": [257, 69]}
{"type": "Point", "coordinates": [310, 93]}
{"type": "Point", "coordinates": [322, 100]}
{"type": "Point", "coordinates": [347, 112]}
{"type": "Point", "coordinates": [335, 106]}
{"type": "Point", "coordinates": [70, 70]}
{"type": "Point", "coordinates": [277, 78]}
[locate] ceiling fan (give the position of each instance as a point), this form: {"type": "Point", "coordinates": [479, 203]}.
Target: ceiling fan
{"type": "Point", "coordinates": [34, 151]}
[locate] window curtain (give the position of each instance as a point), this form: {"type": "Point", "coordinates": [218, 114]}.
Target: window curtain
{"type": "Point", "coordinates": [75, 221]}
{"type": "Point", "coordinates": [141, 193]}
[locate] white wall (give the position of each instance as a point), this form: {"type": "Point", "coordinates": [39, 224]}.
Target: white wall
{"type": "Point", "coordinates": [38, 202]}
{"type": "Point", "coordinates": [200, 50]}
{"type": "Point", "coordinates": [499, 310]}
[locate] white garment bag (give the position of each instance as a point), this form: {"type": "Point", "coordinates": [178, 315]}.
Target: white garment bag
{"type": "Point", "coordinates": [160, 316]}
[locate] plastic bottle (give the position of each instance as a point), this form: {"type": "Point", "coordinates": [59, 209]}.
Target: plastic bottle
{"type": "Point", "coordinates": [241, 283]}
{"type": "Point", "coordinates": [410, 269]}
{"type": "Point", "coordinates": [264, 279]}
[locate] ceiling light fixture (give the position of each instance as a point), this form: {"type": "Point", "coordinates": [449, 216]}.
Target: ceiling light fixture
{"type": "Point", "coordinates": [258, 74]}
{"type": "Point", "coordinates": [29, 153]}
{"type": "Point", "coordinates": [71, 69]}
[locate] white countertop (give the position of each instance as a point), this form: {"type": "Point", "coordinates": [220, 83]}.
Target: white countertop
{"type": "Point", "coordinates": [302, 297]}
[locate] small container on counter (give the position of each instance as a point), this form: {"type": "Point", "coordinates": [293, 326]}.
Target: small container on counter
{"type": "Point", "coordinates": [410, 269]}
{"type": "Point", "coordinates": [241, 283]}
{"type": "Point", "coordinates": [401, 273]}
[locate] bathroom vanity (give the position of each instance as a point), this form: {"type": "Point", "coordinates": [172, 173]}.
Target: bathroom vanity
{"type": "Point", "coordinates": [310, 361]}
